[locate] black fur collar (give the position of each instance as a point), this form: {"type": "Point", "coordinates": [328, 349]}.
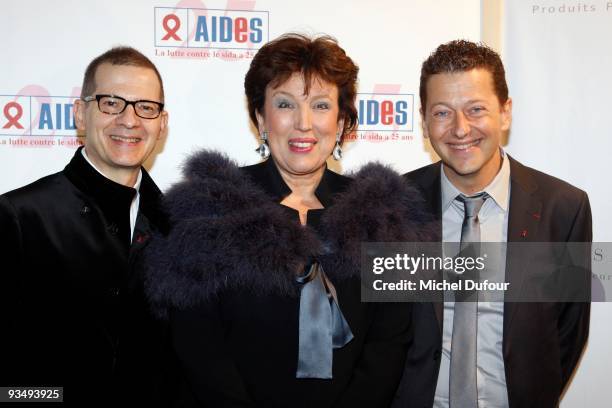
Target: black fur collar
{"type": "Point", "coordinates": [228, 233]}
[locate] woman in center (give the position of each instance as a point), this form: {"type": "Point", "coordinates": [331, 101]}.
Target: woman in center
{"type": "Point", "coordinates": [260, 274]}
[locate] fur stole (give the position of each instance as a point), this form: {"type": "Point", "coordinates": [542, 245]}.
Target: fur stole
{"type": "Point", "coordinates": [227, 233]}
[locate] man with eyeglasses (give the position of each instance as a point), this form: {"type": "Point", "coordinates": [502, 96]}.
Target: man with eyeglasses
{"type": "Point", "coordinates": [70, 242]}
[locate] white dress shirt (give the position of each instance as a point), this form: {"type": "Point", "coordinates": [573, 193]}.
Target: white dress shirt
{"type": "Point", "coordinates": [493, 217]}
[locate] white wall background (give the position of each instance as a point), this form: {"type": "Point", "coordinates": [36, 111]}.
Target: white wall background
{"type": "Point", "coordinates": [558, 56]}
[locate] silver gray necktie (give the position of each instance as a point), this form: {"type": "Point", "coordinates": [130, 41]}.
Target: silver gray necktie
{"type": "Point", "coordinates": [463, 387]}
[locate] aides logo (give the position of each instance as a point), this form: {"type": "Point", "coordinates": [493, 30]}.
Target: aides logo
{"type": "Point", "coordinates": [385, 114]}
{"type": "Point", "coordinates": [24, 115]}
{"type": "Point", "coordinates": [210, 28]}
{"type": "Point", "coordinates": [27, 116]}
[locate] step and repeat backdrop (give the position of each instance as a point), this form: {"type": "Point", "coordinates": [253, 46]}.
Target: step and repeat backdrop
{"type": "Point", "coordinates": [203, 50]}
{"type": "Point", "coordinates": [558, 56]}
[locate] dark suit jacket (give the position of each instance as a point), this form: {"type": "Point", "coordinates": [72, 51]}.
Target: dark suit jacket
{"type": "Point", "coordinates": [73, 308]}
{"type": "Point", "coordinates": [542, 341]}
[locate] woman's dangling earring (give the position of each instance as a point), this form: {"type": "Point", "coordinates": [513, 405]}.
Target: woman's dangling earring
{"type": "Point", "coordinates": [337, 153]}
{"type": "Point", "coordinates": [263, 149]}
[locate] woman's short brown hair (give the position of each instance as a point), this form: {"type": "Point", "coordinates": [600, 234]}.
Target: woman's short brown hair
{"type": "Point", "coordinates": [315, 58]}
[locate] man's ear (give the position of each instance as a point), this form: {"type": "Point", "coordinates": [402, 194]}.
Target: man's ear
{"type": "Point", "coordinates": [163, 124]}
{"type": "Point", "coordinates": [423, 124]}
{"type": "Point", "coordinates": [80, 106]}
{"type": "Point", "coordinates": [506, 114]}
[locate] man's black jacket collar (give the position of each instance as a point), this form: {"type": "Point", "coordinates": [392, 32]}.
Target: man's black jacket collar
{"type": "Point", "coordinates": [112, 196]}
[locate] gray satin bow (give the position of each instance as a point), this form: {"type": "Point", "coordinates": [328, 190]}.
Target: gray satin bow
{"type": "Point", "coordinates": [322, 325]}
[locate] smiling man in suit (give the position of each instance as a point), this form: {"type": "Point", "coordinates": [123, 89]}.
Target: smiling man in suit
{"type": "Point", "coordinates": [73, 308]}
{"type": "Point", "coordinates": [522, 354]}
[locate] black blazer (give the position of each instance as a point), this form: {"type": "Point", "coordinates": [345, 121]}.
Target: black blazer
{"type": "Point", "coordinates": [73, 308]}
{"type": "Point", "coordinates": [542, 342]}
{"type": "Point", "coordinates": [225, 278]}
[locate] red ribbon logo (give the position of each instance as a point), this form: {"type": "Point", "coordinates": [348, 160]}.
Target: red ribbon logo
{"type": "Point", "coordinates": [13, 120]}
{"type": "Point", "coordinates": [171, 31]}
